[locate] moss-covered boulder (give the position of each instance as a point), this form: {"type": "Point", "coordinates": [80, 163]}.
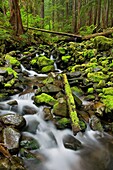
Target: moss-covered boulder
{"type": "Point", "coordinates": [60, 108]}
{"type": "Point", "coordinates": [108, 102]}
{"type": "Point", "coordinates": [47, 69]}
{"type": "Point", "coordinates": [97, 76]}
{"type": "Point", "coordinates": [11, 60]}
{"type": "Point", "coordinates": [44, 61]}
{"type": "Point", "coordinates": [103, 43]}
{"type": "Point", "coordinates": [63, 123]}
{"type": "Point", "coordinates": [44, 99]}
{"type": "Point", "coordinates": [66, 58]}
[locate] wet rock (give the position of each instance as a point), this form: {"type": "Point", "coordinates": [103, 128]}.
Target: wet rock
{"type": "Point", "coordinates": [28, 110]}
{"type": "Point", "coordinates": [11, 139]}
{"type": "Point", "coordinates": [99, 108]}
{"type": "Point", "coordinates": [47, 114]}
{"type": "Point", "coordinates": [60, 108]}
{"type": "Point", "coordinates": [77, 99]}
{"type": "Point", "coordinates": [12, 103]}
{"type": "Point", "coordinates": [95, 123]}
{"type": "Point", "coordinates": [29, 143]}
{"type": "Point", "coordinates": [3, 96]}
{"type": "Point", "coordinates": [71, 143]}
{"type": "Point", "coordinates": [63, 123]}
{"type": "Point", "coordinates": [3, 72]}
{"type": "Point", "coordinates": [74, 74]}
{"type": "Point", "coordinates": [15, 120]}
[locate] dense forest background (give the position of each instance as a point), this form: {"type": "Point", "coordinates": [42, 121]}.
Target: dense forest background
{"type": "Point", "coordinates": [74, 16]}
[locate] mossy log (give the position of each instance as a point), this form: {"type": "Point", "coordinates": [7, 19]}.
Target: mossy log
{"type": "Point", "coordinates": [105, 33]}
{"type": "Point", "coordinates": [71, 106]}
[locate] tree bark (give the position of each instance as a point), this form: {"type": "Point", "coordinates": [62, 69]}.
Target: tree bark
{"type": "Point", "coordinates": [15, 17]}
{"type": "Point", "coordinates": [42, 13]}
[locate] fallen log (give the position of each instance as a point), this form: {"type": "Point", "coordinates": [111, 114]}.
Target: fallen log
{"type": "Point", "coordinates": [71, 106]}
{"type": "Point", "coordinates": [105, 33]}
{"type": "Point", "coordinates": [55, 32]}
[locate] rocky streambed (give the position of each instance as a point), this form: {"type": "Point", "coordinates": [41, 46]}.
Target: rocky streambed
{"type": "Point", "coordinates": [34, 109]}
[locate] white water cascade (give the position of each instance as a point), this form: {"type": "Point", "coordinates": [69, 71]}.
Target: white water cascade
{"type": "Point", "coordinates": [32, 73]}
{"type": "Point", "coordinates": [96, 152]}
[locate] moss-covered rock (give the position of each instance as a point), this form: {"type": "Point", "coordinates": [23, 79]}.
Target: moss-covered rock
{"type": "Point", "coordinates": [108, 91]}
{"type": "Point", "coordinates": [108, 101]}
{"type": "Point", "coordinates": [47, 69]}
{"type": "Point", "coordinates": [97, 76]}
{"type": "Point", "coordinates": [63, 123]}
{"type": "Point", "coordinates": [90, 90]}
{"type": "Point", "coordinates": [103, 43]}
{"type": "Point", "coordinates": [44, 99]}
{"type": "Point", "coordinates": [60, 108]}
{"type": "Point", "coordinates": [12, 60]}
{"type": "Point", "coordinates": [66, 58]}
{"type": "Point", "coordinates": [44, 61]}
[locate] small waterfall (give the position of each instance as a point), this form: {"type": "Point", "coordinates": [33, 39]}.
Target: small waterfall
{"type": "Point", "coordinates": [32, 73]}
{"type": "Point", "coordinates": [55, 65]}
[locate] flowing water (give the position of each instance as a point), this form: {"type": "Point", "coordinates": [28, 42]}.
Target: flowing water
{"type": "Point", "coordinates": [96, 152]}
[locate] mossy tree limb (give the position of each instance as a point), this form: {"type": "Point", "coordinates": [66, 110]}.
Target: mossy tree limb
{"type": "Point", "coordinates": [71, 106]}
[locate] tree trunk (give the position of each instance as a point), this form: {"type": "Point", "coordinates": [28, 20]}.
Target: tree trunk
{"type": "Point", "coordinates": [53, 14]}
{"type": "Point", "coordinates": [78, 17]}
{"type": "Point", "coordinates": [42, 13]}
{"type": "Point", "coordinates": [111, 13]}
{"type": "Point", "coordinates": [99, 13]}
{"type": "Point", "coordinates": [74, 16]}
{"type": "Point", "coordinates": [107, 13]}
{"type": "Point", "coordinates": [15, 17]}
{"type": "Point", "coordinates": [95, 13]}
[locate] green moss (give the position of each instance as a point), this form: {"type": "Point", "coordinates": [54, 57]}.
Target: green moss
{"type": "Point", "coordinates": [90, 90]}
{"type": "Point", "coordinates": [63, 123]}
{"type": "Point", "coordinates": [71, 105]}
{"type": "Point", "coordinates": [97, 76]}
{"type": "Point", "coordinates": [44, 61]}
{"type": "Point", "coordinates": [65, 59]}
{"type": "Point", "coordinates": [44, 98]}
{"type": "Point", "coordinates": [48, 80]}
{"type": "Point", "coordinates": [108, 101]}
{"type": "Point", "coordinates": [47, 69]}
{"type": "Point", "coordinates": [108, 91]}
{"type": "Point", "coordinates": [77, 90]}
{"type": "Point", "coordinates": [12, 60]}
{"type": "Point", "coordinates": [61, 50]}
{"type": "Point", "coordinates": [74, 118]}
{"type": "Point", "coordinates": [10, 83]}
{"type": "Point", "coordinates": [103, 43]}
{"type": "Point", "coordinates": [11, 71]}
{"type": "Point", "coordinates": [89, 53]}
{"type": "Point", "coordinates": [34, 61]}
{"type": "Point", "coordinates": [101, 83]}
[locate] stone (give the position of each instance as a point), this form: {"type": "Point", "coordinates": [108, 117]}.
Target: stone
{"type": "Point", "coordinates": [15, 120]}
{"type": "Point", "coordinates": [44, 99]}
{"type": "Point", "coordinates": [11, 139]}
{"type": "Point", "coordinates": [60, 108]}
{"type": "Point", "coordinates": [70, 142]}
